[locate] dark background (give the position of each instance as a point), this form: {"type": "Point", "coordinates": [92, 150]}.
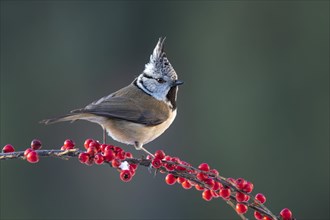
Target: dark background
{"type": "Point", "coordinates": [255, 103]}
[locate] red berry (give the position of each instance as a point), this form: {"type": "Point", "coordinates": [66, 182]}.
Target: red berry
{"type": "Point", "coordinates": [156, 163]}
{"type": "Point", "coordinates": [225, 193]}
{"type": "Point", "coordinates": [115, 163]}
{"type": "Point", "coordinates": [180, 179]}
{"type": "Point", "coordinates": [98, 159]}
{"type": "Point", "coordinates": [89, 162]}
{"type": "Point", "coordinates": [286, 214]}
{"type": "Point", "coordinates": [209, 182]}
{"type": "Point", "coordinates": [186, 185]}
{"type": "Point", "coordinates": [170, 179]}
{"type": "Point", "coordinates": [169, 167]}
{"type": "Point", "coordinates": [258, 215]}
{"type": "Point", "coordinates": [204, 167]}
{"type": "Point", "coordinates": [27, 151]}
{"type": "Point", "coordinates": [199, 187]}
{"type": "Point", "coordinates": [207, 195]}
{"type": "Point", "coordinates": [261, 198]}
{"type": "Point", "coordinates": [267, 218]}
{"type": "Point", "coordinates": [247, 197]}
{"type": "Point", "coordinates": [214, 194]}
{"type": "Point", "coordinates": [117, 149]}
{"type": "Point", "coordinates": [160, 154]}
{"type": "Point", "coordinates": [133, 166]}
{"type": "Point", "coordinates": [129, 155]}
{"type": "Point", "coordinates": [87, 142]}
{"type": "Point", "coordinates": [240, 183]}
{"type": "Point", "coordinates": [216, 186]}
{"type": "Point", "coordinates": [241, 208]}
{"type": "Point", "coordinates": [94, 144]}
{"type": "Point", "coordinates": [8, 148]}
{"type": "Point", "coordinates": [215, 172]}
{"type": "Point", "coordinates": [35, 144]}
{"type": "Point", "coordinates": [108, 154]}
{"type": "Point", "coordinates": [132, 170]}
{"type": "Point", "coordinates": [121, 155]}
{"type": "Point", "coordinates": [180, 168]}
{"type": "Point", "coordinates": [83, 157]}
{"type": "Point", "coordinates": [92, 150]}
{"type": "Point", "coordinates": [248, 187]}
{"type": "Point", "coordinates": [202, 176]}
{"type": "Point", "coordinates": [32, 157]}
{"type": "Point", "coordinates": [231, 180]}
{"type": "Point", "coordinates": [240, 197]}
{"type": "Point", "coordinates": [125, 175]}
{"type": "Point", "coordinates": [102, 147]}
{"type": "Point", "coordinates": [176, 160]}
{"type": "Point", "coordinates": [69, 144]}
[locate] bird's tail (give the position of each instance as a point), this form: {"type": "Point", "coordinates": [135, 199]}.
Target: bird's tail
{"type": "Point", "coordinates": [69, 117]}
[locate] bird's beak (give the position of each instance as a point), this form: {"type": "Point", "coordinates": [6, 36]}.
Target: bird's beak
{"type": "Point", "coordinates": [177, 83]}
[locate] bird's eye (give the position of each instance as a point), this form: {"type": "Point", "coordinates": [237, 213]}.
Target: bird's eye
{"type": "Point", "coordinates": [160, 80]}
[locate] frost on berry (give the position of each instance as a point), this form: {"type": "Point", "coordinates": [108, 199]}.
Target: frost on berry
{"type": "Point", "coordinates": [124, 166]}
{"type": "Point", "coordinates": [32, 157]}
{"type": "Point", "coordinates": [8, 148]}
{"type": "Point", "coordinates": [286, 214]}
{"type": "Point", "coordinates": [35, 144]}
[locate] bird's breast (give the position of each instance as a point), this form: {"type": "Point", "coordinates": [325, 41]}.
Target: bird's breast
{"type": "Point", "coordinates": [130, 132]}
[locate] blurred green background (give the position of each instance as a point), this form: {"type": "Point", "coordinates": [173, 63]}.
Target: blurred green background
{"type": "Point", "coordinates": [255, 103]}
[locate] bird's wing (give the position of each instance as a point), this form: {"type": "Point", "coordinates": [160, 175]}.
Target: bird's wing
{"type": "Point", "coordinates": [126, 109]}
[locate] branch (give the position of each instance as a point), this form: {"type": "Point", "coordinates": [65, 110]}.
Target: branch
{"type": "Point", "coordinates": [235, 192]}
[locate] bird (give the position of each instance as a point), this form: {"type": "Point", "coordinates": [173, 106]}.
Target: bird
{"type": "Point", "coordinates": [140, 112]}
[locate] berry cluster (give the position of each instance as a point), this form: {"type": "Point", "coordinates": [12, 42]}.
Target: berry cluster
{"type": "Point", "coordinates": [30, 153]}
{"type": "Point", "coordinates": [236, 192]}
{"type": "Point", "coordinates": [212, 185]}
{"type": "Point", "coordinates": [103, 153]}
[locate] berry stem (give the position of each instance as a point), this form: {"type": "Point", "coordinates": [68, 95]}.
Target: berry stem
{"type": "Point", "coordinates": [186, 171]}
